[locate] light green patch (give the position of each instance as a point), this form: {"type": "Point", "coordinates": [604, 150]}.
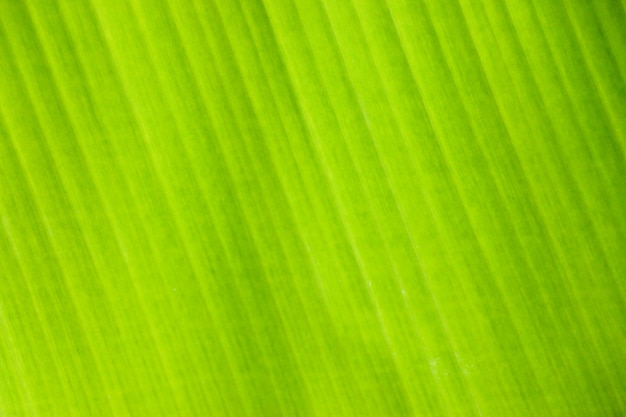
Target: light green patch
{"type": "Point", "coordinates": [312, 207]}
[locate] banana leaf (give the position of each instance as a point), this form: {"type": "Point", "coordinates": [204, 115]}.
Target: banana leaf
{"type": "Point", "coordinates": [312, 208]}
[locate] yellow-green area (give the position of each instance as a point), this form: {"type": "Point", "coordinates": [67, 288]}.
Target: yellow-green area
{"type": "Point", "coordinates": [312, 208]}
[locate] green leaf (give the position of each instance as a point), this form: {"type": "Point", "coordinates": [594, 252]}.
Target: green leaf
{"type": "Point", "coordinates": [312, 208]}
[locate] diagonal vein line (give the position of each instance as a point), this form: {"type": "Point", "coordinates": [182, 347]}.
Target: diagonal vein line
{"type": "Point", "coordinates": [396, 203]}
{"type": "Point", "coordinates": [272, 172]}
{"type": "Point", "coordinates": [246, 220]}
{"type": "Point", "coordinates": [552, 241]}
{"type": "Point", "coordinates": [142, 304]}
{"type": "Point", "coordinates": [137, 125]}
{"type": "Point", "coordinates": [295, 165]}
{"type": "Point", "coordinates": [46, 245]}
{"type": "Point", "coordinates": [567, 170]}
{"type": "Point", "coordinates": [426, 278]}
{"type": "Point", "coordinates": [283, 121]}
{"type": "Point", "coordinates": [496, 184]}
{"type": "Point", "coordinates": [129, 270]}
{"type": "Point", "coordinates": [9, 253]}
{"type": "Point", "coordinates": [353, 243]}
{"type": "Point", "coordinates": [254, 119]}
{"type": "Point", "coordinates": [65, 200]}
{"type": "Point", "coordinates": [608, 107]}
{"type": "Point", "coordinates": [525, 179]}
{"type": "Point", "coordinates": [553, 245]}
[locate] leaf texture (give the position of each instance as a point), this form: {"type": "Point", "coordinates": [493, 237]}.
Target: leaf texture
{"type": "Point", "coordinates": [312, 208]}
